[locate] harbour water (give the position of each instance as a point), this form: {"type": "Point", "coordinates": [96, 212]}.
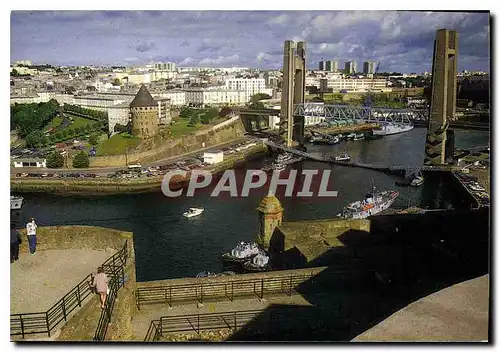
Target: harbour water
{"type": "Point", "coordinates": [169, 245]}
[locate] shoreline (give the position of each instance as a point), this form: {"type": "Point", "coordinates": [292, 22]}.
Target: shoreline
{"type": "Point", "coordinates": [109, 187]}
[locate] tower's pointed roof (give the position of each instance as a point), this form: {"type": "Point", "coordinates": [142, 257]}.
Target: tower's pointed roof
{"type": "Point", "coordinates": [143, 99]}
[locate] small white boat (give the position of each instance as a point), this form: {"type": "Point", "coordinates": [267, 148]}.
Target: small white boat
{"type": "Point", "coordinates": [241, 253]}
{"type": "Point", "coordinates": [359, 136]}
{"type": "Point", "coordinates": [193, 212]}
{"type": "Point", "coordinates": [258, 263]}
{"type": "Point", "coordinates": [16, 202]}
{"type": "Point", "coordinates": [351, 135]}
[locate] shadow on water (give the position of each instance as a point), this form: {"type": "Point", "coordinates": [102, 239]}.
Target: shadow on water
{"type": "Point", "coordinates": [402, 259]}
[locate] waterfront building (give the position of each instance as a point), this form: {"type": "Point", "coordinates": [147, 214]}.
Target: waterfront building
{"type": "Point", "coordinates": [350, 67]}
{"type": "Point", "coordinates": [215, 96]}
{"type": "Point", "coordinates": [213, 157]}
{"type": "Point", "coordinates": [118, 114]}
{"type": "Point", "coordinates": [144, 111]}
{"type": "Point", "coordinates": [354, 85]}
{"type": "Point", "coordinates": [251, 86]}
{"type": "Point", "coordinates": [164, 117]}
{"type": "Point", "coordinates": [369, 67]}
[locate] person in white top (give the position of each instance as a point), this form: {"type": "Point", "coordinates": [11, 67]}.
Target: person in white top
{"type": "Point", "coordinates": [31, 232]}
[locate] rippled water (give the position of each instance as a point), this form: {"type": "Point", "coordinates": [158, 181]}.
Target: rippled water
{"type": "Point", "coordinates": [168, 245]}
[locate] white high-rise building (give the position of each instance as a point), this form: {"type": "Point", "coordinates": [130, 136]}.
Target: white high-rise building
{"type": "Point", "coordinates": [250, 85]}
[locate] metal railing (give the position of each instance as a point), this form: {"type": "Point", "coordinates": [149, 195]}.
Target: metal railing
{"type": "Point", "coordinates": [228, 289]}
{"type": "Point", "coordinates": [272, 320]}
{"type": "Point", "coordinates": [44, 322]}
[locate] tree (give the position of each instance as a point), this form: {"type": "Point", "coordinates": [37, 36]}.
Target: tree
{"type": "Point", "coordinates": [317, 99]}
{"type": "Point", "coordinates": [122, 128]}
{"type": "Point", "coordinates": [226, 110]}
{"type": "Point", "coordinates": [55, 160]}
{"type": "Point", "coordinates": [259, 96]}
{"type": "Point", "coordinates": [81, 160]}
{"type": "Point", "coordinates": [257, 105]}
{"type": "Point", "coordinates": [194, 120]}
{"type": "Point", "coordinates": [35, 139]}
{"type": "Point", "coordinates": [94, 139]}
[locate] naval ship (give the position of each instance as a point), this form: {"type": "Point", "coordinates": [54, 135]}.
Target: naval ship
{"type": "Point", "coordinates": [374, 203]}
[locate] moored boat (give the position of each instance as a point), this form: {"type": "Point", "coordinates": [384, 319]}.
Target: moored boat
{"type": "Point", "coordinates": [391, 128]}
{"type": "Point", "coordinates": [359, 136]}
{"type": "Point", "coordinates": [241, 253]}
{"type": "Point", "coordinates": [373, 203]}
{"type": "Point", "coordinates": [343, 157]}
{"type": "Point", "coordinates": [258, 263]}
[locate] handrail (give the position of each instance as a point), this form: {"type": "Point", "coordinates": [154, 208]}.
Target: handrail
{"type": "Point", "coordinates": [44, 322]}
{"type": "Point", "coordinates": [227, 289]}
{"type": "Point", "coordinates": [270, 319]}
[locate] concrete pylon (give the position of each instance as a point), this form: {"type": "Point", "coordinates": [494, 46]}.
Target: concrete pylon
{"type": "Point", "coordinates": [293, 92]}
{"type": "Point", "coordinates": [443, 98]}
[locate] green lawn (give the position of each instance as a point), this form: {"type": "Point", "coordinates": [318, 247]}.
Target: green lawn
{"type": "Point", "coordinates": [181, 128]}
{"type": "Point", "coordinates": [56, 122]}
{"type": "Point", "coordinates": [117, 145]}
{"type": "Point", "coordinates": [80, 121]}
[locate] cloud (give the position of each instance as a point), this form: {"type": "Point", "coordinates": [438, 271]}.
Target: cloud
{"type": "Point", "coordinates": [400, 39]}
{"type": "Point", "coordinates": [145, 47]}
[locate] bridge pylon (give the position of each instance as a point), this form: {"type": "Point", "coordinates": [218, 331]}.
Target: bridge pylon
{"type": "Point", "coordinates": [293, 92]}
{"type": "Point", "coordinates": [439, 140]}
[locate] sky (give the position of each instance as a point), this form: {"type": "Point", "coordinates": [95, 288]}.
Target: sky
{"type": "Point", "coordinates": [401, 40]}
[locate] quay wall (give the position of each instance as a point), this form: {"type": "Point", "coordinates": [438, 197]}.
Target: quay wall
{"type": "Point", "coordinates": [225, 132]}
{"type": "Point", "coordinates": [108, 186]}
{"type": "Point", "coordinates": [77, 237]}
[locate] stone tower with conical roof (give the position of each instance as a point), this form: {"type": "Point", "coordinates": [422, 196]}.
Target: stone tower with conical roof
{"type": "Point", "coordinates": [144, 110]}
{"type": "Point", "coordinates": [270, 216]}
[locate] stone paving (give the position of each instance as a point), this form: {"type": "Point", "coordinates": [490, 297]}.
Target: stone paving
{"type": "Point", "coordinates": [39, 281]}
{"type": "Point", "coordinates": [457, 313]}
{"type": "Point", "coordinates": [141, 322]}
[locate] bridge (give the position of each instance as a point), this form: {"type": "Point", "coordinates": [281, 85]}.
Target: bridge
{"type": "Point", "coordinates": [395, 169]}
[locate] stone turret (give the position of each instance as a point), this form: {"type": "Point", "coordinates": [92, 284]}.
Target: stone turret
{"type": "Point", "coordinates": [144, 110]}
{"type": "Point", "coordinates": [270, 216]}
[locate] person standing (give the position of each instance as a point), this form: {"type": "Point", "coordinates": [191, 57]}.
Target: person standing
{"type": "Point", "coordinates": [101, 285]}
{"type": "Point", "coordinates": [15, 241]}
{"type": "Point", "coordinates": [31, 232]}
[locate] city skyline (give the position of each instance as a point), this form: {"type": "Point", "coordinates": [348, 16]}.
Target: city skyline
{"type": "Point", "coordinates": [401, 40]}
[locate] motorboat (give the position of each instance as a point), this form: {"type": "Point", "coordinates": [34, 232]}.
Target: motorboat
{"type": "Point", "coordinates": [417, 181]}
{"type": "Point", "coordinates": [373, 203]}
{"type": "Point", "coordinates": [351, 136]}
{"type": "Point", "coordinates": [359, 136]}
{"type": "Point", "coordinates": [392, 128]}
{"type": "Point", "coordinates": [282, 158]}
{"type": "Point", "coordinates": [258, 263]}
{"type": "Point", "coordinates": [343, 157]}
{"type": "Point", "coordinates": [241, 253]}
{"type": "Point", "coordinates": [324, 140]}
{"type": "Point", "coordinates": [193, 212]}
{"type": "Point", "coordinates": [279, 167]}
{"type": "Point", "coordinates": [16, 202]}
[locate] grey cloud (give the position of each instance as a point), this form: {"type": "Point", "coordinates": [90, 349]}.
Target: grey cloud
{"type": "Point", "coordinates": [145, 47]}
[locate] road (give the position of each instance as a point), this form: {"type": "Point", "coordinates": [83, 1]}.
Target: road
{"type": "Point", "coordinates": [108, 170]}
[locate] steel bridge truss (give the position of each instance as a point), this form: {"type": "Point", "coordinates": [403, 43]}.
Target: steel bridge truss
{"type": "Point", "coordinates": [368, 114]}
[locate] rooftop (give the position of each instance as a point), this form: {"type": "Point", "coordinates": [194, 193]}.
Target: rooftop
{"type": "Point", "coordinates": [143, 99]}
